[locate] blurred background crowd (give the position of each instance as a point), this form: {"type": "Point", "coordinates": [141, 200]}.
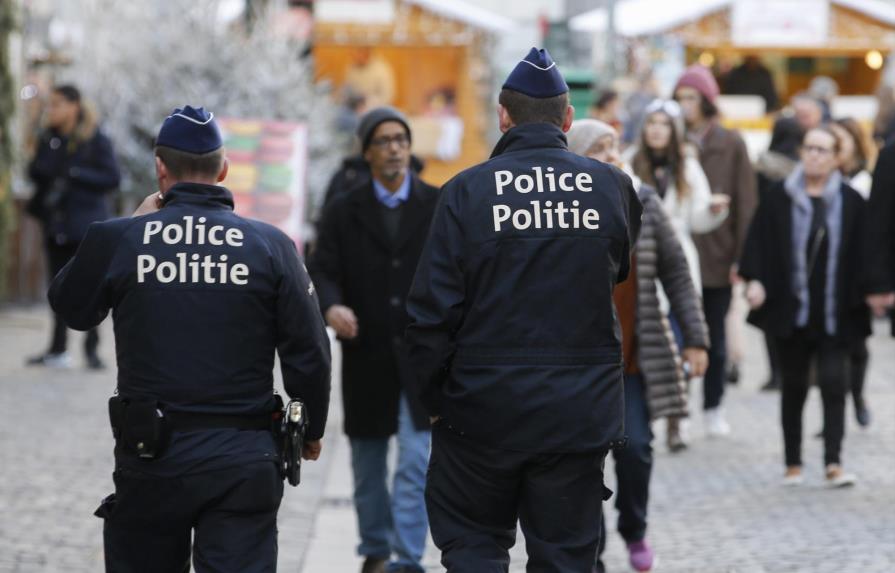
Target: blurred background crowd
{"type": "Point", "coordinates": [291, 78]}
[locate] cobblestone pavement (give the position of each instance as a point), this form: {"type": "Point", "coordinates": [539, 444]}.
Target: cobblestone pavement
{"type": "Point", "coordinates": [716, 508]}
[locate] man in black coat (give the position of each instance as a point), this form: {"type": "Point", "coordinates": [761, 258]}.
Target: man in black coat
{"type": "Point", "coordinates": [363, 263]}
{"type": "Point", "coordinates": [515, 340]}
{"type": "Point", "coordinates": [881, 243]}
{"type": "Point", "coordinates": [202, 300]}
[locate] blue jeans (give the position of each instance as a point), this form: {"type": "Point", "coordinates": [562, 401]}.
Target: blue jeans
{"type": "Point", "coordinates": [395, 523]}
{"type": "Point", "coordinates": [633, 465]}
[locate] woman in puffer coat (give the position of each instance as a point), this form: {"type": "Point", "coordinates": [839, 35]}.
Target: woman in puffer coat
{"type": "Point", "coordinates": [654, 378]}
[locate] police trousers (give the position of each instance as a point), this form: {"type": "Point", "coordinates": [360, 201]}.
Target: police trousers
{"type": "Point", "coordinates": [231, 515]}
{"type": "Point", "coordinates": [475, 495]}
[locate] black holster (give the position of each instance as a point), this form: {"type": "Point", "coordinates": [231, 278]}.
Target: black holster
{"type": "Point", "coordinates": [139, 426]}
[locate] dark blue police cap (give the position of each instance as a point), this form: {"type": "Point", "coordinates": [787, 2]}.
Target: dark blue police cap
{"type": "Point", "coordinates": [192, 130]}
{"type": "Point", "coordinates": [537, 76]}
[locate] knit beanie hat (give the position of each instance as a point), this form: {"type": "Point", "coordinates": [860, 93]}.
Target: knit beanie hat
{"type": "Point", "coordinates": [701, 79]}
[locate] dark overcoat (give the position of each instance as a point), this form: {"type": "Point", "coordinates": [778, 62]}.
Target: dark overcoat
{"type": "Point", "coordinates": [767, 258]}
{"type": "Point", "coordinates": [355, 264]}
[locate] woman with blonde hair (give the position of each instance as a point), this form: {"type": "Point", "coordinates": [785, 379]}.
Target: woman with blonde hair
{"type": "Point", "coordinates": [73, 170]}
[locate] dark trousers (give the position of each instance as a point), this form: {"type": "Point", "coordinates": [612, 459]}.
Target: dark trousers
{"type": "Point", "coordinates": [773, 358]}
{"type": "Point", "coordinates": [633, 465]}
{"type": "Point", "coordinates": [859, 357]}
{"type": "Point", "coordinates": [475, 494]}
{"type": "Point", "coordinates": [57, 257]}
{"type": "Point", "coordinates": [796, 355]}
{"type": "Point", "coordinates": [716, 303]}
{"type": "Point", "coordinates": [149, 521]}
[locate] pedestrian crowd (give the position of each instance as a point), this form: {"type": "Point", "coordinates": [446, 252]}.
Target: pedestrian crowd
{"type": "Point", "coordinates": [804, 236]}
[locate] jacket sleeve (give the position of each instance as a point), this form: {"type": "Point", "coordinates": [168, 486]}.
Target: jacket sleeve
{"type": "Point", "coordinates": [82, 291]}
{"type": "Point", "coordinates": [751, 262]}
{"type": "Point", "coordinates": [633, 210]}
{"type": "Point", "coordinates": [700, 218]}
{"type": "Point", "coordinates": [102, 173]}
{"type": "Point", "coordinates": [325, 261]}
{"type": "Point", "coordinates": [674, 273]}
{"type": "Point", "coordinates": [881, 225]}
{"type": "Point", "coordinates": [744, 199]}
{"type": "Point", "coordinates": [435, 302]}
{"type": "Point", "coordinates": [302, 340]}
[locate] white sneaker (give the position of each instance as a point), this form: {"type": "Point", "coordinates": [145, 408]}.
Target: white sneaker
{"type": "Point", "coordinates": [793, 477]}
{"type": "Point", "coordinates": [716, 425]}
{"type": "Point", "coordinates": [837, 477]}
{"type": "Point", "coordinates": [60, 360]}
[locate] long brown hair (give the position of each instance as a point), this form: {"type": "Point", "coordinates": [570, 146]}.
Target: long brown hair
{"type": "Point", "coordinates": [87, 120]}
{"type": "Point", "coordinates": [863, 148]}
{"type": "Point", "coordinates": [645, 159]}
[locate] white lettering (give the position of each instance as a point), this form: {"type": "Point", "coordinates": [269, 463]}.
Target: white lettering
{"type": "Point", "coordinates": [529, 185]}
{"type": "Point", "coordinates": [584, 182]}
{"type": "Point", "coordinates": [234, 237]}
{"type": "Point", "coordinates": [166, 272]}
{"type": "Point", "coordinates": [145, 263]}
{"type": "Point", "coordinates": [501, 214]}
{"type": "Point", "coordinates": [590, 216]}
{"type": "Point", "coordinates": [562, 180]}
{"type": "Point", "coordinates": [212, 235]}
{"type": "Point", "coordinates": [518, 216]}
{"type": "Point", "coordinates": [239, 274]}
{"type": "Point", "coordinates": [151, 228]}
{"type": "Point", "coordinates": [500, 182]}
{"type": "Point", "coordinates": [172, 234]}
{"type": "Point", "coordinates": [546, 215]}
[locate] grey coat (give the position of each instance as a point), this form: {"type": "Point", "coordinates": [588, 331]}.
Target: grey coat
{"type": "Point", "coordinates": [660, 256]}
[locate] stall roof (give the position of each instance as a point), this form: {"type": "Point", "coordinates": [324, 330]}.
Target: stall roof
{"type": "Point", "coordinates": [466, 12]}
{"type": "Point", "coordinates": [645, 17]}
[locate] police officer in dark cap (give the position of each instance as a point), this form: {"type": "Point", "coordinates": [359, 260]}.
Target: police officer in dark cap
{"type": "Point", "coordinates": [201, 300]}
{"type": "Point", "coordinates": [515, 341]}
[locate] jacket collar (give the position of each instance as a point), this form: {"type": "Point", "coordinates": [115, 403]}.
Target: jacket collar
{"type": "Point", "coordinates": [531, 136]}
{"type": "Point", "coordinates": [367, 209]}
{"type": "Point", "coordinates": [199, 194]}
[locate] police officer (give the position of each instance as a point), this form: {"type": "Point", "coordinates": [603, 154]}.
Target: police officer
{"type": "Point", "coordinates": [201, 300]}
{"type": "Point", "coordinates": [515, 341]}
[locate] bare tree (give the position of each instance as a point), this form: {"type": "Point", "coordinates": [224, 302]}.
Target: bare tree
{"type": "Point", "coordinates": [139, 60]}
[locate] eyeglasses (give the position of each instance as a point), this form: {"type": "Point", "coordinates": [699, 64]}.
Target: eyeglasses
{"type": "Point", "coordinates": [816, 149]}
{"type": "Point", "coordinates": [667, 106]}
{"type": "Point", "coordinates": [385, 142]}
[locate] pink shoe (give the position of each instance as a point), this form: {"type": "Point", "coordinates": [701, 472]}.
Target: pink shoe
{"type": "Point", "coordinates": [641, 556]}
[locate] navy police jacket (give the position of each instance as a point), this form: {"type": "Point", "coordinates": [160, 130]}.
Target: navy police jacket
{"type": "Point", "coordinates": [201, 300]}
{"type": "Point", "coordinates": [513, 335]}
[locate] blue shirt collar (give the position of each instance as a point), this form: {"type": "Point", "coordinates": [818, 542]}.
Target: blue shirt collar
{"type": "Point", "coordinates": [393, 200]}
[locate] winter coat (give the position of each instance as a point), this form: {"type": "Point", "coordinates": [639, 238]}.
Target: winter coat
{"type": "Point", "coordinates": [661, 257]}
{"type": "Point", "coordinates": [881, 227]}
{"type": "Point", "coordinates": [725, 160]}
{"type": "Point", "coordinates": [72, 179]}
{"type": "Point", "coordinates": [354, 263]}
{"type": "Point", "coordinates": [767, 258]}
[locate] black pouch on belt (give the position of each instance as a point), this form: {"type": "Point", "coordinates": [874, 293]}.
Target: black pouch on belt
{"type": "Point", "coordinates": [139, 426]}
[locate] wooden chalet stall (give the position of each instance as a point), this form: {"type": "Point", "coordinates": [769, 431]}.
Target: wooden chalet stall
{"type": "Point", "coordinates": [425, 57]}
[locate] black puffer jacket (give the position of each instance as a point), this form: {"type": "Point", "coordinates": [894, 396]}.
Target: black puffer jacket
{"type": "Point", "coordinates": [660, 257]}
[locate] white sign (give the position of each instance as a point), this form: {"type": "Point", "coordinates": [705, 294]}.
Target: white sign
{"type": "Point", "coordinates": [770, 23]}
{"type": "Point", "coordinates": [358, 11]}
